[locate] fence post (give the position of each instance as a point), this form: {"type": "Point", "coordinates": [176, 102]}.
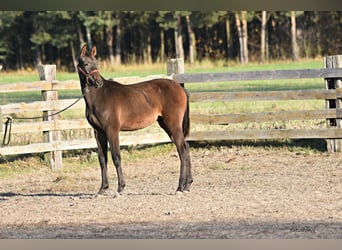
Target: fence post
{"type": "Point", "coordinates": [175, 66]}
{"type": "Point", "coordinates": [333, 145]}
{"type": "Point", "coordinates": [54, 158]}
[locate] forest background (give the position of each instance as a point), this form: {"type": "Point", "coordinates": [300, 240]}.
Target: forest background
{"type": "Point", "coordinates": [30, 38]}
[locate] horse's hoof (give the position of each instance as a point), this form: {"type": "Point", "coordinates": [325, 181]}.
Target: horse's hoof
{"type": "Point", "coordinates": [178, 193]}
{"type": "Point", "coordinates": [117, 195]}
{"type": "Point", "coordinates": [99, 196]}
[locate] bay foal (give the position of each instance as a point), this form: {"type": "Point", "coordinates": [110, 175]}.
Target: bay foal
{"type": "Point", "coordinates": [112, 107]}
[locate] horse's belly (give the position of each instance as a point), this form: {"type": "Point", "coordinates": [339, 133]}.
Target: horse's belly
{"type": "Point", "coordinates": [138, 122]}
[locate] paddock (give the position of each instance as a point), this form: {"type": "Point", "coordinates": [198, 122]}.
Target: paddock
{"type": "Point", "coordinates": [240, 191]}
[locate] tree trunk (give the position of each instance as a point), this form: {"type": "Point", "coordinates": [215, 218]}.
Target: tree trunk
{"type": "Point", "coordinates": [241, 26]}
{"type": "Point", "coordinates": [73, 54]}
{"type": "Point", "coordinates": [38, 56]}
{"type": "Point", "coordinates": [263, 36]}
{"type": "Point", "coordinates": [294, 37]}
{"type": "Point", "coordinates": [148, 56]}
{"type": "Point", "coordinates": [162, 46]}
{"type": "Point", "coordinates": [192, 43]}
{"type": "Point", "coordinates": [79, 32]}
{"type": "Point", "coordinates": [318, 36]}
{"type": "Point", "coordinates": [228, 37]}
{"type": "Point", "coordinates": [179, 39]}
{"type": "Point", "coordinates": [244, 35]}
{"type": "Point", "coordinates": [88, 35]}
{"type": "Point", "coordinates": [109, 32]}
{"type": "Point", "coordinates": [118, 43]}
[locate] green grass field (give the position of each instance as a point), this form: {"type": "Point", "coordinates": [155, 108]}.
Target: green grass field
{"type": "Point", "coordinates": [160, 69]}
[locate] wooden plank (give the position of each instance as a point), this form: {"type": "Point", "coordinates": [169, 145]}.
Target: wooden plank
{"type": "Point", "coordinates": [17, 108]}
{"type": "Point", "coordinates": [258, 75]}
{"type": "Point", "coordinates": [42, 126]}
{"type": "Point", "coordinates": [82, 144]}
{"type": "Point", "coordinates": [264, 95]}
{"type": "Point", "coordinates": [265, 134]}
{"type": "Point", "coordinates": [194, 136]}
{"type": "Point", "coordinates": [40, 106]}
{"type": "Point", "coordinates": [25, 86]}
{"type": "Point", "coordinates": [265, 116]}
{"type": "Point", "coordinates": [149, 138]}
{"type": "Point", "coordinates": [187, 78]}
{"type": "Point", "coordinates": [26, 149]}
{"type": "Point", "coordinates": [66, 85]}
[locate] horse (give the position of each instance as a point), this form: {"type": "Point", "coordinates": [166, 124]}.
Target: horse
{"type": "Point", "coordinates": [112, 107]}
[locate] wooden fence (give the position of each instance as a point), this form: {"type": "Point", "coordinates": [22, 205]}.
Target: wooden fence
{"type": "Point", "coordinates": [50, 127]}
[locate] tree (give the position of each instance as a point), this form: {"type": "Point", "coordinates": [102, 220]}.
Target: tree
{"type": "Point", "coordinates": [192, 42]}
{"type": "Point", "coordinates": [204, 22]}
{"type": "Point", "coordinates": [241, 25]}
{"type": "Point", "coordinates": [61, 22]}
{"type": "Point", "coordinates": [228, 36]}
{"type": "Point", "coordinates": [294, 45]}
{"type": "Point", "coordinates": [178, 36]}
{"type": "Point", "coordinates": [7, 20]}
{"type": "Point", "coordinates": [173, 20]}
{"type": "Point", "coordinates": [40, 36]}
{"type": "Point", "coordinates": [263, 36]}
{"type": "Point", "coordinates": [149, 36]}
{"type": "Point", "coordinates": [109, 23]}
{"type": "Point", "coordinates": [118, 34]}
{"type": "Point", "coordinates": [141, 27]}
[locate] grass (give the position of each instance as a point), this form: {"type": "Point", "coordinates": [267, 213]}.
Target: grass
{"type": "Point", "coordinates": [160, 69]}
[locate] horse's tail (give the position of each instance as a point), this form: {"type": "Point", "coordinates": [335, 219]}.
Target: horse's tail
{"type": "Point", "coordinates": [186, 118]}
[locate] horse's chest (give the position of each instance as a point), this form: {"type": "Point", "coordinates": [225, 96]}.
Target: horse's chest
{"type": "Point", "coordinates": [93, 119]}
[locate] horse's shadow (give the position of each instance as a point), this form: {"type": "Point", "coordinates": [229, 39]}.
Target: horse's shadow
{"type": "Point", "coordinates": [7, 195]}
{"type": "Point", "coordinates": [75, 195]}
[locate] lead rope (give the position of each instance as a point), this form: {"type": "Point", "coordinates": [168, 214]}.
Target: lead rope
{"type": "Point", "coordinates": [8, 129]}
{"type": "Point", "coordinates": [8, 123]}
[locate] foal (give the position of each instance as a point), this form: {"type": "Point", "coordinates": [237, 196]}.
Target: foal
{"type": "Point", "coordinates": [112, 107]}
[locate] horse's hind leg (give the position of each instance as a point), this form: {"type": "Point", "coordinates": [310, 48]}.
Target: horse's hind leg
{"type": "Point", "coordinates": [189, 179]}
{"type": "Point", "coordinates": [177, 136]}
{"type": "Point", "coordinates": [101, 140]}
{"type": "Point", "coordinates": [185, 177]}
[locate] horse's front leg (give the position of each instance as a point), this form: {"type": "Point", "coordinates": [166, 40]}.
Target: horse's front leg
{"type": "Point", "coordinates": [102, 146]}
{"type": "Point", "coordinates": [114, 143]}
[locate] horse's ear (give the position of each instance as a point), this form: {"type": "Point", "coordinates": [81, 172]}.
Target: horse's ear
{"type": "Point", "coordinates": [93, 51]}
{"type": "Point", "coordinates": [84, 50]}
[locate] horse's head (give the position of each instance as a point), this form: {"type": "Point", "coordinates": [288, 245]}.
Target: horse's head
{"type": "Point", "coordinates": [87, 67]}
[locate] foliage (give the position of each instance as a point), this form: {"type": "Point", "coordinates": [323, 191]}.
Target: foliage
{"type": "Point", "coordinates": [32, 37]}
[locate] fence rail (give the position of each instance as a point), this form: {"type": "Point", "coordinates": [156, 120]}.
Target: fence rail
{"type": "Point", "coordinates": [52, 127]}
{"type": "Point", "coordinates": [259, 75]}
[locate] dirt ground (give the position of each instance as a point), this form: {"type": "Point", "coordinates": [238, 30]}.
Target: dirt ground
{"type": "Point", "coordinates": [244, 192]}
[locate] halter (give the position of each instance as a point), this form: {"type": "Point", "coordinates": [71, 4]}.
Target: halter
{"type": "Point", "coordinates": [87, 75]}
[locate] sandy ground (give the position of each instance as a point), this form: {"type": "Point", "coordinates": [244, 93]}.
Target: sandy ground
{"type": "Point", "coordinates": [238, 192]}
